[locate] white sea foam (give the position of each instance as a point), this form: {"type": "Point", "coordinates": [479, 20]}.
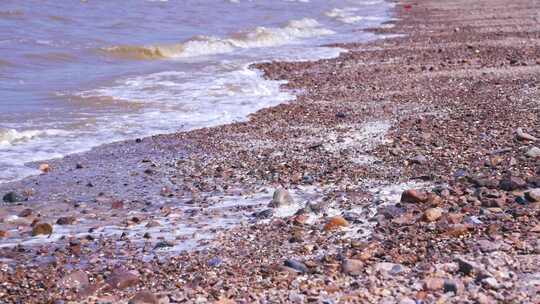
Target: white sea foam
{"type": "Point", "coordinates": [9, 137]}
{"type": "Point", "coordinates": [349, 15]}
{"type": "Point", "coordinates": [210, 45]}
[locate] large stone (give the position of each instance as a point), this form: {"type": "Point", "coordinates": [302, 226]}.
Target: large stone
{"type": "Point", "coordinates": [413, 196]}
{"type": "Point", "coordinates": [522, 135]}
{"type": "Point", "coordinates": [281, 198]}
{"type": "Point", "coordinates": [42, 229]}
{"type": "Point", "coordinates": [12, 197]}
{"type": "Point", "coordinates": [76, 280]}
{"type": "Point", "coordinates": [352, 267]}
{"type": "Point", "coordinates": [66, 220]}
{"type": "Point", "coordinates": [296, 265]}
{"type": "Point", "coordinates": [144, 297]}
{"type": "Point", "coordinates": [533, 195]}
{"type": "Point", "coordinates": [534, 152]}
{"type": "Point", "coordinates": [512, 183]}
{"type": "Point", "coordinates": [121, 278]}
{"type": "Point", "coordinates": [433, 214]}
{"type": "Point", "coordinates": [335, 222]}
{"type": "Point", "coordinates": [433, 284]}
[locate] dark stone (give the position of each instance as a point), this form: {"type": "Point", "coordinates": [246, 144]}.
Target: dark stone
{"type": "Point", "coordinates": [26, 212]}
{"type": "Point", "coordinates": [450, 286]}
{"type": "Point", "coordinates": [138, 140]}
{"type": "Point", "coordinates": [268, 213]}
{"type": "Point", "coordinates": [521, 200]}
{"type": "Point", "coordinates": [163, 244]}
{"type": "Point", "coordinates": [215, 262]}
{"type": "Point", "coordinates": [12, 197]}
{"type": "Point", "coordinates": [67, 220]}
{"type": "Point", "coordinates": [465, 266]}
{"type": "Point", "coordinates": [296, 265]}
{"type": "Point", "coordinates": [512, 183]}
{"type": "Point", "coordinates": [340, 115]}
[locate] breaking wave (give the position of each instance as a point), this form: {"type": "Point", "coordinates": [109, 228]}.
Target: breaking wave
{"type": "Point", "coordinates": [349, 15]}
{"type": "Point", "coordinates": [10, 137]}
{"type": "Point", "coordinates": [208, 45]}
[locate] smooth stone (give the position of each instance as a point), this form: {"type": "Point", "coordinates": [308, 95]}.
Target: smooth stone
{"type": "Point", "coordinates": [413, 196]}
{"type": "Point", "coordinates": [434, 284]}
{"type": "Point", "coordinates": [12, 197]}
{"type": "Point", "coordinates": [144, 297]}
{"type": "Point", "coordinates": [521, 135]}
{"type": "Point", "coordinates": [335, 222]}
{"type": "Point", "coordinates": [533, 195]}
{"type": "Point", "coordinates": [352, 267]}
{"type": "Point", "coordinates": [296, 265]}
{"type": "Point", "coordinates": [512, 183]}
{"type": "Point", "coordinates": [42, 228]}
{"type": "Point", "coordinates": [281, 198]}
{"type": "Point", "coordinates": [215, 262]}
{"type": "Point", "coordinates": [121, 278]}
{"type": "Point", "coordinates": [68, 220]}
{"type": "Point", "coordinates": [433, 214]}
{"type": "Point", "coordinates": [75, 280]}
{"type": "Point", "coordinates": [534, 152]}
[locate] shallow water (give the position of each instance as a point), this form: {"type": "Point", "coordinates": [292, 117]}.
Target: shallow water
{"type": "Point", "coordinates": [76, 74]}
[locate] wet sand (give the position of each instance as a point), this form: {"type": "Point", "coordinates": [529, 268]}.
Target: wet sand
{"type": "Point", "coordinates": [447, 104]}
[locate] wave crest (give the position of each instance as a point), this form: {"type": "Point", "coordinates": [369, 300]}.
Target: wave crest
{"type": "Point", "coordinates": [10, 137]}
{"type": "Point", "coordinates": [208, 45]}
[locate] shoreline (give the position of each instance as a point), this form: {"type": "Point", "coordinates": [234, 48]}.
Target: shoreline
{"type": "Point", "coordinates": [437, 111]}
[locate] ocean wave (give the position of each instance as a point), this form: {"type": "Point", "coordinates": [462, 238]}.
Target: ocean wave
{"type": "Point", "coordinates": [9, 137]}
{"type": "Point", "coordinates": [208, 45]}
{"type": "Point", "coordinates": [349, 15]}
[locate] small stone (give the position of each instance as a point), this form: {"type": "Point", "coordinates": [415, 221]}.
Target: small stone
{"type": "Point", "coordinates": [25, 213]}
{"type": "Point", "coordinates": [67, 220]}
{"type": "Point", "coordinates": [456, 230]}
{"type": "Point", "coordinates": [152, 224]}
{"type": "Point", "coordinates": [215, 262]}
{"type": "Point", "coordinates": [335, 222]}
{"type": "Point", "coordinates": [265, 214]}
{"type": "Point", "coordinates": [419, 159]}
{"type": "Point", "coordinates": [533, 195]}
{"type": "Point", "coordinates": [296, 265]}
{"type": "Point", "coordinates": [144, 297]}
{"type": "Point", "coordinates": [534, 152]}
{"type": "Point", "coordinates": [117, 204]}
{"type": "Point", "coordinates": [3, 234]}
{"type": "Point", "coordinates": [433, 284]}
{"type": "Point", "coordinates": [491, 283]}
{"type": "Point", "coordinates": [163, 244]}
{"type": "Point", "coordinates": [454, 286]}
{"type": "Point", "coordinates": [407, 301]}
{"type": "Point", "coordinates": [121, 279]}
{"type": "Point", "coordinates": [281, 198]}
{"type": "Point", "coordinates": [42, 228]}
{"type": "Point", "coordinates": [521, 135]}
{"type": "Point", "coordinates": [79, 166]}
{"type": "Point", "coordinates": [466, 267]}
{"type": "Point", "coordinates": [488, 246]}
{"type": "Point", "coordinates": [75, 280]}
{"type": "Point", "coordinates": [413, 196]}
{"type": "Point", "coordinates": [352, 267]}
{"type": "Point", "coordinates": [389, 268]}
{"type": "Point", "coordinates": [454, 218]}
{"type": "Point", "coordinates": [44, 168]}
{"type": "Point", "coordinates": [433, 214]}
{"type": "Point", "coordinates": [12, 197]}
{"type": "Point", "coordinates": [512, 183]}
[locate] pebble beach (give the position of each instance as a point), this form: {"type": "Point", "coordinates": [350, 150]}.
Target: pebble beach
{"type": "Point", "coordinates": [407, 170]}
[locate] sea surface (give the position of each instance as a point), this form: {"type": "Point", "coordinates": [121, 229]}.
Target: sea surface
{"type": "Point", "coordinates": [77, 74]}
